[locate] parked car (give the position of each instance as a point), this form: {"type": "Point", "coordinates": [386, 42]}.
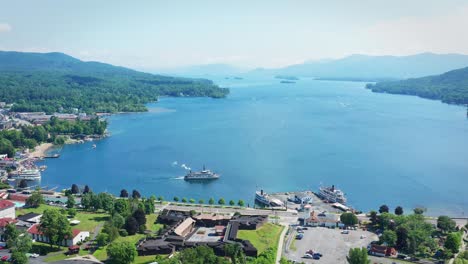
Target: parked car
{"type": "Point", "coordinates": [345, 232]}
{"type": "Point", "coordinates": [308, 256]}
{"type": "Point", "coordinates": [317, 254]}
{"type": "Point", "coordinates": [299, 236]}
{"type": "Point", "coordinates": [5, 258]}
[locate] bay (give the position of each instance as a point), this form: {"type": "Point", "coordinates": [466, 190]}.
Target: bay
{"type": "Point", "coordinates": [377, 148]}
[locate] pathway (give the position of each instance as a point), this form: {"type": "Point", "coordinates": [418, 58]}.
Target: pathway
{"type": "Point", "coordinates": [279, 250]}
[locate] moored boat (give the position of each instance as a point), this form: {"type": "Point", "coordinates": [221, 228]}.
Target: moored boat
{"type": "Point", "coordinates": [28, 174]}
{"type": "Point", "coordinates": [331, 194]}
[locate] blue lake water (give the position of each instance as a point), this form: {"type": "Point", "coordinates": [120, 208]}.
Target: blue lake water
{"type": "Point", "coordinates": [377, 148]}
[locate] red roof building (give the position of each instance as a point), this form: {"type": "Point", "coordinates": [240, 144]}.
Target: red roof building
{"type": "Point", "coordinates": [7, 209]}
{"type": "Point", "coordinates": [77, 236]}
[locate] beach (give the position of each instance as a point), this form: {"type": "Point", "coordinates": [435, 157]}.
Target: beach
{"type": "Point", "coordinates": [41, 150]}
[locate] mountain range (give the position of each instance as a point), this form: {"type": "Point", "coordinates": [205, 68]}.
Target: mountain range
{"type": "Point", "coordinates": [373, 68]}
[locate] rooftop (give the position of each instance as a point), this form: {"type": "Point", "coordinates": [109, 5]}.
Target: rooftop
{"type": "Point", "coordinates": [5, 204]}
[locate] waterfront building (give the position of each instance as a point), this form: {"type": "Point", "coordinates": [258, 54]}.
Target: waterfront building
{"type": "Point", "coordinates": [77, 236]}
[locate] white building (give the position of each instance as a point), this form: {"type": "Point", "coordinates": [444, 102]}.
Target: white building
{"type": "Point", "coordinates": [7, 209]}
{"type": "Point", "coordinates": [77, 236]}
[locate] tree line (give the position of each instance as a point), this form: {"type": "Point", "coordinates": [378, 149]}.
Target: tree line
{"type": "Point", "coordinates": [30, 136]}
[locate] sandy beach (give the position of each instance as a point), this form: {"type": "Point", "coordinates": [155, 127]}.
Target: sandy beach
{"type": "Point", "coordinates": [40, 150]}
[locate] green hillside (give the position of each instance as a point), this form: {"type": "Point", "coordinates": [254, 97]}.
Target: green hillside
{"type": "Point", "coordinates": [52, 81]}
{"type": "Point", "coordinates": [450, 87]}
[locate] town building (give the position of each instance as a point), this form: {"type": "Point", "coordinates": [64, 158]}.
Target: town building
{"type": "Point", "coordinates": [323, 219]}
{"type": "Point", "coordinates": [28, 220]}
{"type": "Point", "coordinates": [7, 209]}
{"type": "Point", "coordinates": [77, 236]}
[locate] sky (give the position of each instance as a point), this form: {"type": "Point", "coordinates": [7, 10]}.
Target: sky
{"type": "Point", "coordinates": [152, 34]}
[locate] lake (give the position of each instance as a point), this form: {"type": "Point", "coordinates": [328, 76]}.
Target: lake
{"type": "Point", "coordinates": [377, 148]}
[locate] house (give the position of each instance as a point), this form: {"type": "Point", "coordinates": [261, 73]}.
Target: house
{"type": "Point", "coordinates": [7, 209]}
{"type": "Point", "coordinates": [3, 223]}
{"type": "Point", "coordinates": [77, 236]}
{"type": "Point", "coordinates": [382, 251]}
{"type": "Point", "coordinates": [302, 198]}
{"type": "Point", "coordinates": [323, 219]}
{"type": "Point", "coordinates": [250, 222]}
{"type": "Point", "coordinates": [28, 220]}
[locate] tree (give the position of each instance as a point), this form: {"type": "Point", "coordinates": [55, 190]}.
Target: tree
{"type": "Point", "coordinates": [55, 226]}
{"type": "Point", "coordinates": [419, 210]}
{"type": "Point", "coordinates": [192, 200]}
{"type": "Point", "coordinates": [232, 203]}
{"type": "Point", "coordinates": [131, 225]}
{"type": "Point", "coordinates": [86, 189]}
{"type": "Point", "coordinates": [6, 147]}
{"type": "Point", "coordinates": [140, 217]}
{"type": "Point", "coordinates": [75, 189]}
{"type": "Point", "coordinates": [373, 217]}
{"type": "Point", "coordinates": [136, 194]}
{"type": "Point", "coordinates": [383, 209]}
{"type": "Point", "coordinates": [121, 207]}
{"type": "Point", "coordinates": [241, 203]}
{"type": "Point", "coordinates": [23, 184]}
{"type": "Point", "coordinates": [19, 257]}
{"type": "Point", "coordinates": [446, 224]}
{"type": "Point", "coordinates": [349, 219]}
{"type": "Point", "coordinates": [184, 200]}
{"type": "Point", "coordinates": [211, 201]}
{"type": "Point", "coordinates": [402, 238]}
{"type": "Point", "coordinates": [399, 210]}
{"type": "Point", "coordinates": [71, 212]}
{"type": "Point", "coordinates": [389, 237]}
{"type": "Point", "coordinates": [23, 243]}
{"type": "Point", "coordinates": [10, 235]}
{"type": "Point", "coordinates": [453, 242]}
{"type": "Point", "coordinates": [123, 193]}
{"type": "Point", "coordinates": [111, 231]}
{"type": "Point", "coordinates": [70, 201]}
{"type": "Point", "coordinates": [201, 201]}
{"type": "Point", "coordinates": [106, 201]}
{"type": "Point", "coordinates": [357, 256]}
{"type": "Point", "coordinates": [121, 252]}
{"type": "Point", "coordinates": [149, 206]}
{"type": "Point", "coordinates": [35, 200]}
{"type": "Point", "coordinates": [117, 220]}
{"type": "Point", "coordinates": [176, 199]}
{"type": "Point", "coordinates": [102, 239]}
{"type": "Point", "coordinates": [221, 201]}
{"type": "Point", "coordinates": [160, 198]}
{"type": "Point", "coordinates": [86, 200]}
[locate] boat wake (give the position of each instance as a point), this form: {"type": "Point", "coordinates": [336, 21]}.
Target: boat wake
{"type": "Point", "coordinates": [178, 178]}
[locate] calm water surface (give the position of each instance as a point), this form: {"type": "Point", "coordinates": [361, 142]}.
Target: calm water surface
{"type": "Point", "coordinates": [378, 148]}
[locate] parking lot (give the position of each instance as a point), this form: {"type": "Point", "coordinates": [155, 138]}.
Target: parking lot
{"type": "Point", "coordinates": [333, 245]}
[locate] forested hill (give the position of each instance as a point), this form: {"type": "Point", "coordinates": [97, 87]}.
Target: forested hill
{"type": "Point", "coordinates": [53, 81]}
{"type": "Point", "coordinates": [450, 87]}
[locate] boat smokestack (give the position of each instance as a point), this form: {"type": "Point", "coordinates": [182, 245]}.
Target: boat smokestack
{"type": "Point", "coordinates": [261, 192]}
{"type": "Point", "coordinates": [333, 188]}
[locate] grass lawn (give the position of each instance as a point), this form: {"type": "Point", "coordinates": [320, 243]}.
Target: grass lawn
{"type": "Point", "coordinates": [101, 253]}
{"type": "Point", "coordinates": [89, 220]}
{"type": "Point", "coordinates": [38, 210]}
{"type": "Point", "coordinates": [265, 237]}
{"type": "Point", "coordinates": [144, 259]}
{"type": "Point", "coordinates": [150, 225]}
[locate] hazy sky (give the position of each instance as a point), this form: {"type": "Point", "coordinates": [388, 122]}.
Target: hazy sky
{"type": "Point", "coordinates": [151, 34]}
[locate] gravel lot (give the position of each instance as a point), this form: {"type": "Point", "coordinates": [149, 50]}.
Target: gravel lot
{"type": "Point", "coordinates": [330, 242]}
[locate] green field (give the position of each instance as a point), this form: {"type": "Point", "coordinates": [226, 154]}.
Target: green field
{"type": "Point", "coordinates": [89, 221]}
{"type": "Point", "coordinates": [265, 237]}
{"type": "Point", "coordinates": [38, 210]}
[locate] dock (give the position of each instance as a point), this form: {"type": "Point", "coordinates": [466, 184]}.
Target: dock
{"type": "Point", "coordinates": [54, 156]}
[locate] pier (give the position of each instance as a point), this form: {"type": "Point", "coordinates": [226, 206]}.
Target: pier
{"type": "Point", "coordinates": [54, 156]}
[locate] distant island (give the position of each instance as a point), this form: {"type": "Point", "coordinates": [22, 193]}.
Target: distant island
{"type": "Point", "coordinates": [450, 87]}
{"type": "Point", "coordinates": [287, 77]}
{"type": "Point", "coordinates": [56, 82]}
{"type": "Point", "coordinates": [286, 81]}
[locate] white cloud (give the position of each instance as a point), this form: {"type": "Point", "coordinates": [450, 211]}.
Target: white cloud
{"type": "Point", "coordinates": [4, 27]}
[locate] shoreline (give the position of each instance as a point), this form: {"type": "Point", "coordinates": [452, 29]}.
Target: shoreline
{"type": "Point", "coordinates": [41, 150]}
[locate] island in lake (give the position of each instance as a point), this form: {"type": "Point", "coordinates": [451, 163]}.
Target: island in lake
{"type": "Point", "coordinates": [287, 77]}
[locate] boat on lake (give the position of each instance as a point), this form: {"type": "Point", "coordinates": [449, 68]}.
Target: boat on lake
{"type": "Point", "coordinates": [28, 174]}
{"type": "Point", "coordinates": [332, 195]}
{"type": "Point", "coordinates": [263, 198]}
{"type": "Point", "coordinates": [203, 175]}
